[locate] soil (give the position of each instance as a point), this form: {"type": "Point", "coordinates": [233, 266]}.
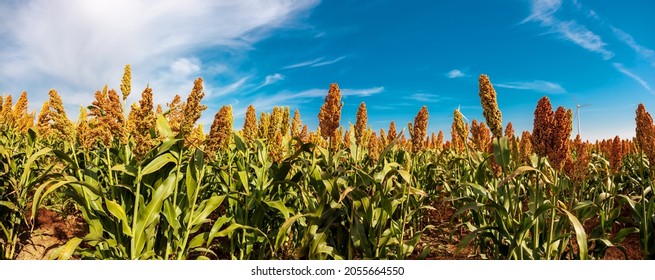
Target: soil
{"type": "Point", "coordinates": [630, 243]}
{"type": "Point", "coordinates": [51, 230]}
{"type": "Point", "coordinates": [441, 240]}
{"type": "Point", "coordinates": [443, 245]}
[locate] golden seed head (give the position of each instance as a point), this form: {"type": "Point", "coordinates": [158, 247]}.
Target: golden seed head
{"type": "Point", "coordinates": [296, 123]}
{"type": "Point", "coordinates": [460, 127]}
{"type": "Point", "coordinates": [480, 136]}
{"type": "Point", "coordinates": [108, 116]}
{"type": "Point", "coordinates": [361, 124]}
{"type": "Point", "coordinates": [304, 135]}
{"type": "Point", "coordinates": [220, 134]}
{"type": "Point", "coordinates": [330, 114]}
{"type": "Point", "coordinates": [250, 125]}
{"type": "Point", "coordinates": [284, 126]}
{"type": "Point", "coordinates": [617, 154]}
{"type": "Point", "coordinates": [420, 129]}
{"type": "Point", "coordinates": [175, 113]}
{"type": "Point", "coordinates": [277, 117]}
{"type": "Point", "coordinates": [645, 136]}
{"type": "Point", "coordinates": [61, 125]}
{"type": "Point", "coordinates": [6, 116]}
{"type": "Point", "coordinates": [543, 127]}
{"type": "Point", "coordinates": [84, 136]}
{"type": "Point", "coordinates": [264, 123]}
{"type": "Point", "coordinates": [392, 132]}
{"type": "Point", "coordinates": [197, 137]}
{"type": "Point", "coordinates": [490, 106]}
{"type": "Point", "coordinates": [509, 131]}
{"type": "Point", "coordinates": [142, 119]}
{"type": "Point", "coordinates": [22, 120]}
{"type": "Point", "coordinates": [276, 151]}
{"type": "Point", "coordinates": [116, 117]}
{"type": "Point", "coordinates": [374, 147]}
{"type": "Point", "coordinates": [562, 128]}
{"type": "Point", "coordinates": [439, 144]}
{"type": "Point", "coordinates": [525, 147]}
{"type": "Point", "coordinates": [383, 138]}
{"type": "Point", "coordinates": [192, 109]}
{"type": "Point", "coordinates": [126, 82]}
{"type": "Point", "coordinates": [346, 139]}
{"type": "Point", "coordinates": [43, 120]}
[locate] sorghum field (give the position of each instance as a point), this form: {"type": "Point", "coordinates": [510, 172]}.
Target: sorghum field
{"type": "Point", "coordinates": [148, 183]}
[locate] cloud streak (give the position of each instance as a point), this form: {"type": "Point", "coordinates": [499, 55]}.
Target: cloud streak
{"type": "Point", "coordinates": [288, 98]}
{"type": "Point", "coordinates": [537, 85]}
{"type": "Point", "coordinates": [543, 12]}
{"type": "Point", "coordinates": [644, 52]}
{"type": "Point", "coordinates": [634, 76]}
{"type": "Point", "coordinates": [317, 62]}
{"type": "Point", "coordinates": [78, 46]}
{"type": "Point", "coordinates": [424, 97]}
{"type": "Point", "coordinates": [455, 73]}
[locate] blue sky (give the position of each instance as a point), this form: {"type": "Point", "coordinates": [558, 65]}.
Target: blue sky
{"type": "Point", "coordinates": [394, 55]}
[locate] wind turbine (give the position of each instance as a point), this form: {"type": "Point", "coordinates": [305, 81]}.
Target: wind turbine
{"type": "Point", "coordinates": [577, 112]}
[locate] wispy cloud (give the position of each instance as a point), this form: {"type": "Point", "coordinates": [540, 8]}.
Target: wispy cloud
{"type": "Point", "coordinates": [270, 79]}
{"type": "Point", "coordinates": [642, 51]}
{"type": "Point", "coordinates": [537, 85]}
{"type": "Point", "coordinates": [634, 76]}
{"type": "Point", "coordinates": [543, 11]}
{"type": "Point", "coordinates": [455, 73]}
{"type": "Point", "coordinates": [323, 63]}
{"type": "Point", "coordinates": [72, 46]}
{"type": "Point", "coordinates": [424, 97]}
{"type": "Point", "coordinates": [288, 98]}
{"type": "Point", "coordinates": [304, 63]}
{"type": "Point", "coordinates": [317, 62]}
{"type": "Point", "coordinates": [231, 88]}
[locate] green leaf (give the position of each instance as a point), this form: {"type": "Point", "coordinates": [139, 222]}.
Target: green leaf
{"type": "Point", "coordinates": [282, 232]}
{"type": "Point", "coordinates": [117, 211]}
{"type": "Point", "coordinates": [211, 205]}
{"type": "Point", "coordinates": [65, 252]}
{"type": "Point", "coordinates": [163, 127]}
{"type": "Point", "coordinates": [279, 205]}
{"type": "Point", "coordinates": [157, 163]}
{"type": "Point", "coordinates": [501, 151]}
{"type": "Point", "coordinates": [580, 235]}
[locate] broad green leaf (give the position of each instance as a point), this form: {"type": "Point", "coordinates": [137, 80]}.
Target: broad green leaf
{"type": "Point", "coordinates": [580, 235]}
{"type": "Point", "coordinates": [211, 204]}
{"type": "Point", "coordinates": [279, 205]}
{"type": "Point", "coordinates": [157, 163]}
{"type": "Point", "coordinates": [117, 211]}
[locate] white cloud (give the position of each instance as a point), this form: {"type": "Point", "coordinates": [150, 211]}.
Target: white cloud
{"type": "Point", "coordinates": [543, 11]}
{"type": "Point", "coordinates": [314, 62]}
{"type": "Point", "coordinates": [537, 85]}
{"type": "Point", "coordinates": [424, 97]}
{"type": "Point", "coordinates": [78, 46]}
{"type": "Point", "coordinates": [642, 51]}
{"type": "Point", "coordinates": [304, 63]}
{"type": "Point", "coordinates": [289, 98]}
{"type": "Point", "coordinates": [634, 76]}
{"type": "Point", "coordinates": [185, 66]}
{"type": "Point", "coordinates": [455, 73]}
{"type": "Point", "coordinates": [270, 79]}
{"type": "Point", "coordinates": [323, 63]}
{"type": "Point", "coordinates": [231, 88]}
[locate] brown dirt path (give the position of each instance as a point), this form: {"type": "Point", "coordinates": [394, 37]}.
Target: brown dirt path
{"type": "Point", "coordinates": [50, 231]}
